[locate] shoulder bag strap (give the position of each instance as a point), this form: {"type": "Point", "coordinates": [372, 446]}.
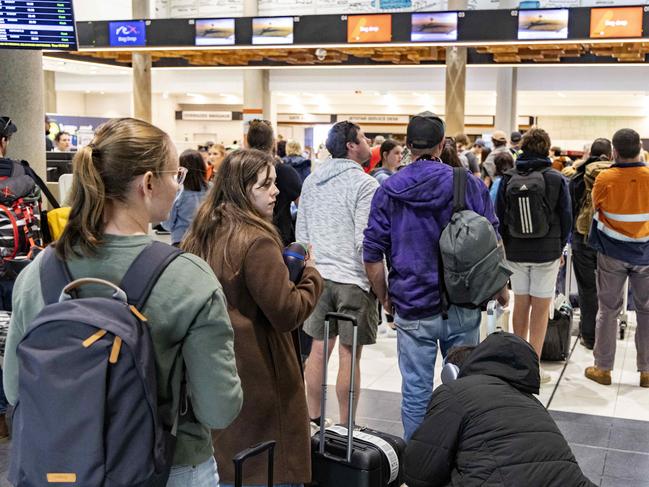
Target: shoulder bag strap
{"type": "Point", "coordinates": [41, 184]}
{"type": "Point", "coordinates": [459, 189]}
{"type": "Point", "coordinates": [54, 275]}
{"type": "Point", "coordinates": [146, 269]}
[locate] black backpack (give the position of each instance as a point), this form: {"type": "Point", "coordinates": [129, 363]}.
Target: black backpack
{"type": "Point", "coordinates": [87, 410]}
{"type": "Point", "coordinates": [527, 211]}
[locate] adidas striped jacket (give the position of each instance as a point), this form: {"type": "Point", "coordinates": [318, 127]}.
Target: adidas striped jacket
{"type": "Point", "coordinates": [621, 222]}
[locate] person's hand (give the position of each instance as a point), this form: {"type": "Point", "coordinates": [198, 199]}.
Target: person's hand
{"type": "Point", "coordinates": [503, 297]}
{"type": "Point", "coordinates": [387, 305]}
{"type": "Point", "coordinates": [309, 258]}
{"type": "Point", "coordinates": [563, 261]}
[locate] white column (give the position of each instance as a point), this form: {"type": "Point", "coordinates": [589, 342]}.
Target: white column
{"type": "Point", "coordinates": [21, 99]}
{"type": "Point", "coordinates": [506, 100]}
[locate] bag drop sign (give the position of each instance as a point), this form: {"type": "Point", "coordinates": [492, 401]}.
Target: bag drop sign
{"type": "Point", "coordinates": [123, 34]}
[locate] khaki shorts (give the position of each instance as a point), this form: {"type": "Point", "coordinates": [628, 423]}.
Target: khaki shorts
{"type": "Point", "coordinates": [349, 299]}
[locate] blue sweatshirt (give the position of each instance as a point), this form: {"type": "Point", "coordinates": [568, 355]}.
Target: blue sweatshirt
{"type": "Point", "coordinates": [182, 213]}
{"type": "Point", "coordinates": [409, 212]}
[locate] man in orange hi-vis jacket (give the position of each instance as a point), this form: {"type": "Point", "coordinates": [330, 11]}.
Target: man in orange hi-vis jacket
{"type": "Point", "coordinates": [620, 234]}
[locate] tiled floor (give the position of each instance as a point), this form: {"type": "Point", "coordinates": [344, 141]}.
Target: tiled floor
{"type": "Point", "coordinates": [607, 426]}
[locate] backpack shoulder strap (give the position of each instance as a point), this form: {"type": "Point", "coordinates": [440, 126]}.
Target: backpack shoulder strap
{"type": "Point", "coordinates": [146, 269]}
{"type": "Point", "coordinates": [54, 275]}
{"type": "Point", "coordinates": [40, 183]}
{"type": "Point", "coordinates": [459, 188]}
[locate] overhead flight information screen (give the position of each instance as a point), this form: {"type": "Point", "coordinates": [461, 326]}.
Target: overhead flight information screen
{"type": "Point", "coordinates": [44, 24]}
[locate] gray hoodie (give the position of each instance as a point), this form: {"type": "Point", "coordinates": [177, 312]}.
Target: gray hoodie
{"type": "Point", "coordinates": [332, 215]}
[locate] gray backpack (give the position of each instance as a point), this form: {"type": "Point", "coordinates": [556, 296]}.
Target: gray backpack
{"type": "Point", "coordinates": [87, 411]}
{"type": "Point", "coordinates": [472, 262]}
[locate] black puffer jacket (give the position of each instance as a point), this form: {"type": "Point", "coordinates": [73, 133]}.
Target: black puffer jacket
{"type": "Point", "coordinates": [487, 429]}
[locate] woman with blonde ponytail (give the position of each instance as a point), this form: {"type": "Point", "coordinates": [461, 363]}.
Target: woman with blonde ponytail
{"type": "Point", "coordinates": [124, 179]}
{"type": "Point", "coordinates": [233, 231]}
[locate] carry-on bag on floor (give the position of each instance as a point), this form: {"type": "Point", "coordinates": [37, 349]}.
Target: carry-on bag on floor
{"type": "Point", "coordinates": [253, 451]}
{"type": "Point", "coordinates": [349, 457]}
{"type": "Point", "coordinates": [556, 346]}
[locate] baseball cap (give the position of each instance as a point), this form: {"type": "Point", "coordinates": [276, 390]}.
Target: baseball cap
{"type": "Point", "coordinates": [425, 131]}
{"type": "Point", "coordinates": [515, 136]}
{"type": "Point", "coordinates": [7, 127]}
{"type": "Point", "coordinates": [499, 135]}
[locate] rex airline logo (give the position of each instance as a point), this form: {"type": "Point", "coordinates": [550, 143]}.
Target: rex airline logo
{"type": "Point", "coordinates": [131, 33]}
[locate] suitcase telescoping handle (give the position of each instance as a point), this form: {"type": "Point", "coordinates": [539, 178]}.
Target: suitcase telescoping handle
{"type": "Point", "coordinates": [241, 457]}
{"type": "Point", "coordinates": [350, 427]}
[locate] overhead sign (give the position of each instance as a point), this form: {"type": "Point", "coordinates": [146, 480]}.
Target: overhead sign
{"type": "Point", "coordinates": [616, 22]}
{"type": "Point", "coordinates": [375, 118]}
{"type": "Point", "coordinates": [369, 28]}
{"type": "Point", "coordinates": [543, 24]}
{"type": "Point", "coordinates": [303, 118]}
{"type": "Point", "coordinates": [215, 32]}
{"type": "Point", "coordinates": [127, 34]}
{"type": "Point", "coordinates": [37, 24]}
{"type": "Point", "coordinates": [206, 116]}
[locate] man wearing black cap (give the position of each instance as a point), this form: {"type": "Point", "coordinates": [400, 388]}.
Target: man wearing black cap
{"type": "Point", "coordinates": [409, 212]}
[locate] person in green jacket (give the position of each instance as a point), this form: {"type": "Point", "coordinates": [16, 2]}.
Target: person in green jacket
{"type": "Point", "coordinates": [126, 178]}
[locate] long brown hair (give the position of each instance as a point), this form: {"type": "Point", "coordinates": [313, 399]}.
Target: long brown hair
{"type": "Point", "coordinates": [227, 219]}
{"type": "Point", "coordinates": [122, 149]}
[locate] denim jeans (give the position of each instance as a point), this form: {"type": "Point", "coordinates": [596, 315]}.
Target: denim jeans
{"type": "Point", "coordinates": [203, 475]}
{"type": "Point", "coordinates": [417, 342]}
{"type": "Point", "coordinates": [3, 398]}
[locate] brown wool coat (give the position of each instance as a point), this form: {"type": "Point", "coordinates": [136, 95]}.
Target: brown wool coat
{"type": "Point", "coordinates": [264, 307]}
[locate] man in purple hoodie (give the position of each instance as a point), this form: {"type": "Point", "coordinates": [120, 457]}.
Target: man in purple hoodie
{"type": "Point", "coordinates": [406, 220]}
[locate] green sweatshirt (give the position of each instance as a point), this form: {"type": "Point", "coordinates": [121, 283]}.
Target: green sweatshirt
{"type": "Point", "coordinates": [188, 316]}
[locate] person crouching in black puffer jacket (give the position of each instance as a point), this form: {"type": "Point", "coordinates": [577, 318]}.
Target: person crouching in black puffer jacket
{"type": "Point", "coordinates": [486, 428]}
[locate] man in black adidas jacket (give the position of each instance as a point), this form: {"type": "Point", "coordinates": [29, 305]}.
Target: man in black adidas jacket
{"type": "Point", "coordinates": [487, 429]}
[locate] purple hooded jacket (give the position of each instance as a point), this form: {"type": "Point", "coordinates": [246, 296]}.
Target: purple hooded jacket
{"type": "Point", "coordinates": [409, 212]}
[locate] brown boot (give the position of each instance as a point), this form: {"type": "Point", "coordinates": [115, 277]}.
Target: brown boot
{"type": "Point", "coordinates": [599, 375]}
{"type": "Point", "coordinates": [644, 379]}
{"type": "Point", "coordinates": [4, 431]}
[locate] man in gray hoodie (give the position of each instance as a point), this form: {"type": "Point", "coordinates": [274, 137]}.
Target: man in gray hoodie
{"type": "Point", "coordinates": [332, 215]}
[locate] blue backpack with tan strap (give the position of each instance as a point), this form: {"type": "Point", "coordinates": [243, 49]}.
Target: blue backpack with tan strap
{"type": "Point", "coordinates": [87, 412]}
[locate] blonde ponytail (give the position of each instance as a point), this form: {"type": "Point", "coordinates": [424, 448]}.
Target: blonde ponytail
{"type": "Point", "coordinates": [122, 149]}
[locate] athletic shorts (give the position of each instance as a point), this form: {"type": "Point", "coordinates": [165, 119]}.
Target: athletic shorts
{"type": "Point", "coordinates": [535, 279]}
{"type": "Point", "coordinates": [349, 299]}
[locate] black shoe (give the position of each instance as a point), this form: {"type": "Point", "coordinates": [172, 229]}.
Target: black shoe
{"type": "Point", "coordinates": [586, 343]}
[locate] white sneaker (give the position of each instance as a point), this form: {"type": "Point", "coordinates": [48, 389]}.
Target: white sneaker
{"type": "Point", "coordinates": [545, 377]}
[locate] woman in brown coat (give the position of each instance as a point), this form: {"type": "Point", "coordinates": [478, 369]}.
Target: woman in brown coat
{"type": "Point", "coordinates": [233, 231]}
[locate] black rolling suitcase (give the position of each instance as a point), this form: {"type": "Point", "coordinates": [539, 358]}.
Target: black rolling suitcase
{"type": "Point", "coordinates": [368, 459]}
{"type": "Point", "coordinates": [241, 457]}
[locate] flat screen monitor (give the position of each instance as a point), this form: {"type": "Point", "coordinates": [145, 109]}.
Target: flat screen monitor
{"type": "Point", "coordinates": [369, 28]}
{"type": "Point", "coordinates": [130, 33]}
{"type": "Point", "coordinates": [272, 30]}
{"type": "Point", "coordinates": [543, 24]}
{"type": "Point", "coordinates": [37, 25]}
{"type": "Point", "coordinates": [215, 32]}
{"type": "Point", "coordinates": [616, 22]}
{"type": "Point", "coordinates": [433, 27]}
